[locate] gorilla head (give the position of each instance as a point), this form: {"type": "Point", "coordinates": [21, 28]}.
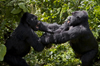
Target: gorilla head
{"type": "Point", "coordinates": [77, 17]}
{"type": "Point", "coordinates": [32, 22]}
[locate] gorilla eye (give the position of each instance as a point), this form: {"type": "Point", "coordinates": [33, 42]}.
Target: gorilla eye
{"type": "Point", "coordinates": [78, 17]}
{"type": "Point", "coordinates": [32, 19]}
{"type": "Point", "coordinates": [35, 18]}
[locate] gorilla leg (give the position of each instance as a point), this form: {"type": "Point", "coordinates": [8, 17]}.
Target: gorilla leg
{"type": "Point", "coordinates": [15, 60]}
{"type": "Point", "coordinates": [87, 58]}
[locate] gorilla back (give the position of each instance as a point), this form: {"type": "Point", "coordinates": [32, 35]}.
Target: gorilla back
{"type": "Point", "coordinates": [23, 37]}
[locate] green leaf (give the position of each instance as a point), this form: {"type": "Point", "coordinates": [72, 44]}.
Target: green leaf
{"type": "Point", "coordinates": [16, 10]}
{"type": "Point", "coordinates": [2, 51]}
{"type": "Point", "coordinates": [21, 0]}
{"type": "Point", "coordinates": [2, 0]}
{"type": "Point", "coordinates": [58, 11]}
{"type": "Point", "coordinates": [22, 6]}
{"type": "Point", "coordinates": [11, 3]}
{"type": "Point", "coordinates": [64, 9]}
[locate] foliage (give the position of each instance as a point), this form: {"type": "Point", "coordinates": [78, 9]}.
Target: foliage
{"type": "Point", "coordinates": [58, 55]}
{"type": "Point", "coordinates": [2, 51]}
{"type": "Point", "coordinates": [47, 11]}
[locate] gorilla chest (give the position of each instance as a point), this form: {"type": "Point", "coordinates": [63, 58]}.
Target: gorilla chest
{"type": "Point", "coordinates": [77, 45]}
{"type": "Point", "coordinates": [81, 41]}
{"type": "Point", "coordinates": [21, 48]}
{"type": "Point", "coordinates": [74, 41]}
{"type": "Point", "coordinates": [81, 45]}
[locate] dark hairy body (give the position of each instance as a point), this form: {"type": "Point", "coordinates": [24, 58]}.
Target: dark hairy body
{"type": "Point", "coordinates": [80, 36]}
{"type": "Point", "coordinates": [21, 40]}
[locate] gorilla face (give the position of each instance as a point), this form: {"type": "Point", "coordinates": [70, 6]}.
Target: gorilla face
{"type": "Point", "coordinates": [32, 21]}
{"type": "Point", "coordinates": [77, 18]}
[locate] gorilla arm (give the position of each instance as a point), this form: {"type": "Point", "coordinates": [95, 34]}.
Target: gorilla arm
{"type": "Point", "coordinates": [32, 39]}
{"type": "Point", "coordinates": [63, 27]}
{"type": "Point", "coordinates": [63, 37]}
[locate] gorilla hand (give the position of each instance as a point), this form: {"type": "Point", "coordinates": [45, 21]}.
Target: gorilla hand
{"type": "Point", "coordinates": [46, 39]}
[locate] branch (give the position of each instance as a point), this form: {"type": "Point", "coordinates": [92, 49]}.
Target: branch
{"type": "Point", "coordinates": [9, 27]}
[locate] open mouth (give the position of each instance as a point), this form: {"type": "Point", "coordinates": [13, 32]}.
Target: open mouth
{"type": "Point", "coordinates": [68, 22]}
{"type": "Point", "coordinates": [69, 18]}
{"type": "Point", "coordinates": [37, 26]}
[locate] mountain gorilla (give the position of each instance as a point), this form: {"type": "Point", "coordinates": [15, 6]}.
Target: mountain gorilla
{"type": "Point", "coordinates": [80, 36]}
{"type": "Point", "coordinates": [21, 40]}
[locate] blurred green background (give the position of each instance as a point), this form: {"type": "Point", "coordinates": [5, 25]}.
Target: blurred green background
{"type": "Point", "coordinates": [50, 11]}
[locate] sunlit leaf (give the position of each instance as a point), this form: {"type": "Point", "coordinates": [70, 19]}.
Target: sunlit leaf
{"type": "Point", "coordinates": [16, 10]}
{"type": "Point", "coordinates": [2, 51]}
{"type": "Point", "coordinates": [22, 6]}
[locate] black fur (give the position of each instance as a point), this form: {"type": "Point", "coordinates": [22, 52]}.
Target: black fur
{"type": "Point", "coordinates": [80, 36]}
{"type": "Point", "coordinates": [21, 40]}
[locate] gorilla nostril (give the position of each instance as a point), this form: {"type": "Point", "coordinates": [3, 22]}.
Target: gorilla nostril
{"type": "Point", "coordinates": [69, 18]}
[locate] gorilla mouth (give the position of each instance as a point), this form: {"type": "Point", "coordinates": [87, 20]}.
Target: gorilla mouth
{"type": "Point", "coordinates": [38, 25]}
{"type": "Point", "coordinates": [68, 21]}
{"type": "Point", "coordinates": [69, 18]}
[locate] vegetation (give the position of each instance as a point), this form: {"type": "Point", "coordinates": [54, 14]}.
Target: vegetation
{"type": "Point", "coordinates": [47, 11]}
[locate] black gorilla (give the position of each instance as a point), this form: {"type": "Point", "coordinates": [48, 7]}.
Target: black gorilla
{"type": "Point", "coordinates": [80, 36]}
{"type": "Point", "coordinates": [23, 37]}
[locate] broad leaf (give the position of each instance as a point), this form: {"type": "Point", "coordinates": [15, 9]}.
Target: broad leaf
{"type": "Point", "coordinates": [22, 6]}
{"type": "Point", "coordinates": [2, 51]}
{"type": "Point", "coordinates": [16, 10]}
